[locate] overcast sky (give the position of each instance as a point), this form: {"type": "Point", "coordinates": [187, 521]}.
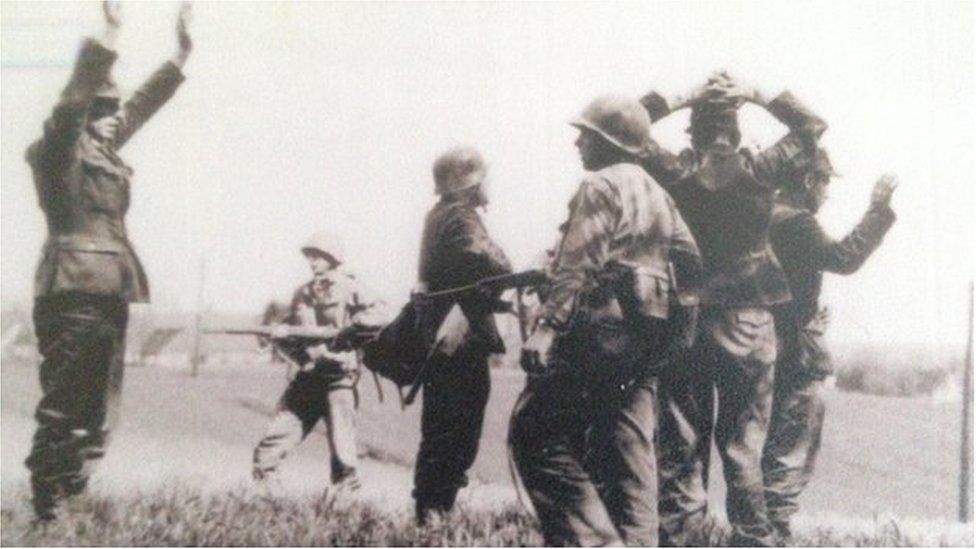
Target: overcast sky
{"type": "Point", "coordinates": [301, 116]}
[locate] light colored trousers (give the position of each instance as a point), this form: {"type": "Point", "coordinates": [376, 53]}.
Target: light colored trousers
{"type": "Point", "coordinates": [308, 399]}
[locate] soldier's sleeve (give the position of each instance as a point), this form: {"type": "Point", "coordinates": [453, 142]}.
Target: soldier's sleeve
{"type": "Point", "coordinates": [846, 255]}
{"type": "Point", "coordinates": [583, 249]}
{"type": "Point", "coordinates": [797, 146]}
{"type": "Point", "coordinates": [147, 100]}
{"type": "Point", "coordinates": [474, 248]}
{"type": "Point", "coordinates": [663, 165]}
{"type": "Point", "coordinates": [62, 128]}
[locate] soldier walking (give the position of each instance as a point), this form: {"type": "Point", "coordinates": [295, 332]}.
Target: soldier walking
{"type": "Point", "coordinates": [456, 251]}
{"type": "Point", "coordinates": [726, 196]}
{"type": "Point", "coordinates": [582, 431]}
{"type": "Point", "coordinates": [803, 362]}
{"type": "Point", "coordinates": [324, 388]}
{"type": "Point", "coordinates": [89, 272]}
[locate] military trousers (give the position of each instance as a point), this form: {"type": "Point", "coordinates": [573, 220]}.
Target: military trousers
{"type": "Point", "coordinates": [793, 442]}
{"type": "Point", "coordinates": [455, 394]}
{"type": "Point", "coordinates": [81, 338]}
{"type": "Point", "coordinates": [311, 397]}
{"type": "Point", "coordinates": [582, 439]}
{"type": "Point", "coordinates": [734, 359]}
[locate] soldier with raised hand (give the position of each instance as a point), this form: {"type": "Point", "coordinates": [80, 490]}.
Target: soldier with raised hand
{"type": "Point", "coordinates": [582, 431]}
{"type": "Point", "coordinates": [806, 252]}
{"type": "Point", "coordinates": [456, 250]}
{"type": "Point", "coordinates": [88, 273]}
{"type": "Point", "coordinates": [324, 388]}
{"type": "Point", "coordinates": [726, 196]}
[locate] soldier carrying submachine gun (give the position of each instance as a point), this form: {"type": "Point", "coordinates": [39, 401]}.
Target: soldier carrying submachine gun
{"type": "Point", "coordinates": [327, 321]}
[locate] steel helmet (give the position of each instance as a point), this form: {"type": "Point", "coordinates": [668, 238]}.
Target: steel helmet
{"type": "Point", "coordinates": [620, 120]}
{"type": "Point", "coordinates": [801, 175]}
{"type": "Point", "coordinates": [325, 243]}
{"type": "Point", "coordinates": [458, 169]}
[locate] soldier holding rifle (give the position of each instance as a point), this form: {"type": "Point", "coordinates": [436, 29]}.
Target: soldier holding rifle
{"type": "Point", "coordinates": [89, 272]}
{"type": "Point", "coordinates": [324, 388]}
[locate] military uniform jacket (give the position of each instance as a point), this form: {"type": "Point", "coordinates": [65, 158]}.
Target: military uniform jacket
{"type": "Point", "coordinates": [83, 185]}
{"type": "Point", "coordinates": [805, 252]}
{"type": "Point", "coordinates": [726, 197]}
{"type": "Point", "coordinates": [333, 300]}
{"type": "Point", "coordinates": [456, 251]}
{"type": "Point", "coordinates": [619, 215]}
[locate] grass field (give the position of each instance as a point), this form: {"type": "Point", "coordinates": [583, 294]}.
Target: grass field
{"type": "Point", "coordinates": [177, 472]}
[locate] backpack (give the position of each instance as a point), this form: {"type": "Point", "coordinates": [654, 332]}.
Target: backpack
{"type": "Point", "coordinates": [399, 351]}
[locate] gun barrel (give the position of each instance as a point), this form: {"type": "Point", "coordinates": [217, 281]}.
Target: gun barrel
{"type": "Point", "coordinates": [306, 332]}
{"type": "Point", "coordinates": [499, 282]}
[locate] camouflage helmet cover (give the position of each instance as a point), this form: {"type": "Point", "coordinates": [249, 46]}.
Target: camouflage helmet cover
{"type": "Point", "coordinates": [325, 243]}
{"type": "Point", "coordinates": [620, 120]}
{"type": "Point", "coordinates": [458, 169]}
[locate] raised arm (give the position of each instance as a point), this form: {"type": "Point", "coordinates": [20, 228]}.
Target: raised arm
{"type": "Point", "coordinates": [809, 244]}
{"type": "Point", "coordinates": [160, 87]}
{"type": "Point", "coordinates": [92, 68]}
{"type": "Point", "coordinates": [665, 166]}
{"type": "Point", "coordinates": [794, 148]}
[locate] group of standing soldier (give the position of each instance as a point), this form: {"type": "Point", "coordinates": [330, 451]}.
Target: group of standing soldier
{"type": "Point", "coordinates": [610, 352]}
{"type": "Point", "coordinates": [681, 307]}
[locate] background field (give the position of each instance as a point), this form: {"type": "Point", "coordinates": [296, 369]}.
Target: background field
{"type": "Point", "coordinates": [887, 463]}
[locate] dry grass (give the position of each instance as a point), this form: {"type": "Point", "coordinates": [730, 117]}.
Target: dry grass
{"type": "Point", "coordinates": [182, 515]}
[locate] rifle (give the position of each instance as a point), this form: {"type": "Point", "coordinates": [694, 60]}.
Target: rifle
{"type": "Point", "coordinates": [498, 283]}
{"type": "Point", "coordinates": [348, 338]}
{"type": "Point", "coordinates": [317, 333]}
{"type": "Point", "coordinates": [494, 284]}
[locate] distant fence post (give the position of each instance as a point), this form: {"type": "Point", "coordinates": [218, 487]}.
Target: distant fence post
{"type": "Point", "coordinates": [195, 357]}
{"type": "Point", "coordinates": [966, 448]}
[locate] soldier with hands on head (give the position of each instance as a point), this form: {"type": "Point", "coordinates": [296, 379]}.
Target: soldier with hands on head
{"type": "Point", "coordinates": [89, 272]}
{"type": "Point", "coordinates": [582, 431]}
{"type": "Point", "coordinates": [324, 387]}
{"type": "Point", "coordinates": [456, 250]}
{"type": "Point", "coordinates": [803, 362]}
{"type": "Point", "coordinates": [726, 196]}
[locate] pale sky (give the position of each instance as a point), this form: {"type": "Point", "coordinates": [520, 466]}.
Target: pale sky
{"type": "Point", "coordinates": [302, 116]}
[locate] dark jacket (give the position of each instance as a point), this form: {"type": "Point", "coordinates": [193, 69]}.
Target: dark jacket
{"type": "Point", "coordinates": [456, 251]}
{"type": "Point", "coordinates": [805, 252]}
{"type": "Point", "coordinates": [83, 186]}
{"type": "Point", "coordinates": [726, 197]}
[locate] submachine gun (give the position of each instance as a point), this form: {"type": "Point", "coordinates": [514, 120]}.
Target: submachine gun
{"type": "Point", "coordinates": [346, 339]}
